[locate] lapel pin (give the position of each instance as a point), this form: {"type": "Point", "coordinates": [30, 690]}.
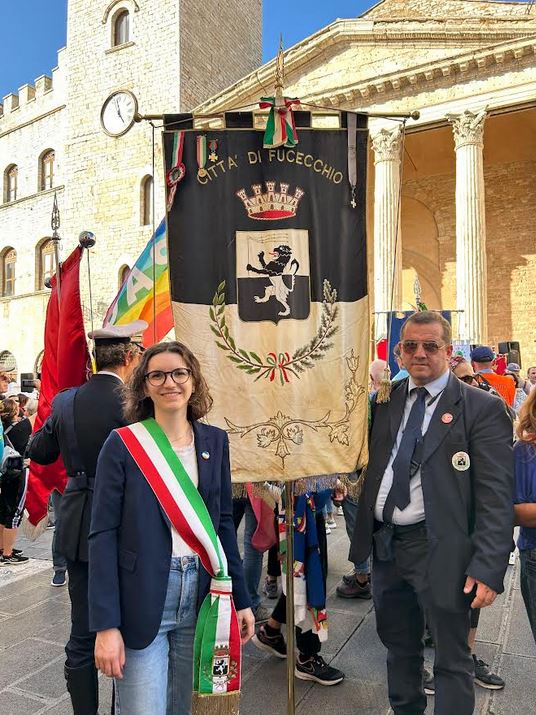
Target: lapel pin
{"type": "Point", "coordinates": [447, 418]}
{"type": "Point", "coordinates": [205, 455]}
{"type": "Point", "coordinates": [461, 461]}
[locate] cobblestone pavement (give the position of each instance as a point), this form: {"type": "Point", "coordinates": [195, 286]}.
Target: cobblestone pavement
{"type": "Point", "coordinates": [34, 624]}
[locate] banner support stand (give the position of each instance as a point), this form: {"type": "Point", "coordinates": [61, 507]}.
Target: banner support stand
{"type": "Point", "coordinates": [289, 556]}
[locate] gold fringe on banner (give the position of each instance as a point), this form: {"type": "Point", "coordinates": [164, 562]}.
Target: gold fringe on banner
{"type": "Point", "coordinates": [315, 484]}
{"type": "Point", "coordinates": [224, 704]}
{"type": "Point", "coordinates": [238, 490]}
{"type": "Point", "coordinates": [270, 492]}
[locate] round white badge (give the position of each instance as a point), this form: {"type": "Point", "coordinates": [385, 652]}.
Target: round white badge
{"type": "Point", "coordinates": [461, 461]}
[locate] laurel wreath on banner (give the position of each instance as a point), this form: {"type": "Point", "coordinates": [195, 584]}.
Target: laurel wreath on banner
{"type": "Point", "coordinates": [280, 364]}
{"type": "Point", "coordinates": [284, 432]}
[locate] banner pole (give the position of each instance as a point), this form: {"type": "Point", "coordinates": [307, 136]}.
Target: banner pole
{"type": "Point", "coordinates": [289, 528]}
{"type": "Point", "coordinates": [54, 225]}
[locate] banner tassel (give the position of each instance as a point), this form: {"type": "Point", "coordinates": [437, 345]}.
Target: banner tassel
{"type": "Point", "coordinates": [226, 704]}
{"type": "Point", "coordinates": [384, 391]}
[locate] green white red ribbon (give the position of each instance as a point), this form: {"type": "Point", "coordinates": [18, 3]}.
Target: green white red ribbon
{"type": "Point", "coordinates": [217, 635]}
{"type": "Point", "coordinates": [280, 127]}
{"type": "Point", "coordinates": [178, 171]}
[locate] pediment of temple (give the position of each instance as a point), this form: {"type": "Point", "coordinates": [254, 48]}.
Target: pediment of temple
{"type": "Point", "coordinates": [392, 46]}
{"type": "Point", "coordinates": [494, 10]}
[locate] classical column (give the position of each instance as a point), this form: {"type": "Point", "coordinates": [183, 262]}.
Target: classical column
{"type": "Point", "coordinates": [387, 145]}
{"type": "Point", "coordinates": [471, 279]}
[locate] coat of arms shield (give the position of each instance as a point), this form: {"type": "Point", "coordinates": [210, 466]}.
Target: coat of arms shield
{"type": "Point", "coordinates": [273, 275]}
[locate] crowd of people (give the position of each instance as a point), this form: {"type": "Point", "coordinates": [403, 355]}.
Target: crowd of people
{"type": "Point", "coordinates": [452, 469]}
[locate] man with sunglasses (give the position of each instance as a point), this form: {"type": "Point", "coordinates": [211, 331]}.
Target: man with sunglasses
{"type": "Point", "coordinates": [437, 507]}
{"type": "Point", "coordinates": [79, 424]}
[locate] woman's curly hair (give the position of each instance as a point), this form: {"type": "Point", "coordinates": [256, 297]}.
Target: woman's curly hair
{"type": "Point", "coordinates": [526, 426]}
{"type": "Point", "coordinates": [9, 411]}
{"type": "Point", "coordinates": [137, 406]}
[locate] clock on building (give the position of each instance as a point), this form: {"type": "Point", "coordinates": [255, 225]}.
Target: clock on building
{"type": "Point", "coordinates": [118, 112]}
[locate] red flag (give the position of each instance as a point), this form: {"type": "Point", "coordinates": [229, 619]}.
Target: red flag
{"type": "Point", "coordinates": [65, 364]}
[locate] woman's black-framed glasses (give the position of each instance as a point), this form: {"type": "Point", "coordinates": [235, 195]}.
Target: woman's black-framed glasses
{"type": "Point", "coordinates": [157, 378]}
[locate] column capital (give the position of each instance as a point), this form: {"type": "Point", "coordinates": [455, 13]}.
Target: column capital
{"type": "Point", "coordinates": [387, 144]}
{"type": "Point", "coordinates": [468, 127]}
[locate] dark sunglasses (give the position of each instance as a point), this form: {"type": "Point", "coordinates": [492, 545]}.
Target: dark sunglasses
{"type": "Point", "coordinates": [410, 347]}
{"type": "Point", "coordinates": [467, 379]}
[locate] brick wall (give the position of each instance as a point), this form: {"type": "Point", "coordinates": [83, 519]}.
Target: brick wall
{"type": "Point", "coordinates": [219, 44]}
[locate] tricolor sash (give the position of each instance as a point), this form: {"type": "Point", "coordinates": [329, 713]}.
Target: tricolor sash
{"type": "Point", "coordinates": [217, 634]}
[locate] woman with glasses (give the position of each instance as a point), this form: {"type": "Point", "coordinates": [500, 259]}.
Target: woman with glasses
{"type": "Point", "coordinates": [161, 526]}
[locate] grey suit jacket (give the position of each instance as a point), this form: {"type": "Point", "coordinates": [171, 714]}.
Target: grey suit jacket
{"type": "Point", "coordinates": [469, 513]}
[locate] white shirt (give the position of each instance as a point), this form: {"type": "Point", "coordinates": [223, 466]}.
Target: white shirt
{"type": "Point", "coordinates": [188, 458]}
{"type": "Point", "coordinates": [414, 512]}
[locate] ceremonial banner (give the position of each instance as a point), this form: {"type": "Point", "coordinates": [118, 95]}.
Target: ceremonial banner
{"type": "Point", "coordinates": [144, 294]}
{"type": "Point", "coordinates": [268, 274]}
{"type": "Point", "coordinates": [65, 364]}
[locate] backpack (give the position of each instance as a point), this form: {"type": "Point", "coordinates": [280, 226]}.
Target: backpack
{"type": "Point", "coordinates": [12, 465]}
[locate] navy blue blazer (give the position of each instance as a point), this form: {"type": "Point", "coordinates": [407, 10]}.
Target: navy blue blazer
{"type": "Point", "coordinates": [130, 538]}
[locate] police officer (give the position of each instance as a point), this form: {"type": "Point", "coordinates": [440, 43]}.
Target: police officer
{"type": "Point", "coordinates": [79, 424]}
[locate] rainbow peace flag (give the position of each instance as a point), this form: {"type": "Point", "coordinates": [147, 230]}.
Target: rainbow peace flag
{"type": "Point", "coordinates": [144, 294]}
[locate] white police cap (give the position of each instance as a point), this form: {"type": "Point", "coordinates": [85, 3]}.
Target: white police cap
{"type": "Point", "coordinates": [119, 333]}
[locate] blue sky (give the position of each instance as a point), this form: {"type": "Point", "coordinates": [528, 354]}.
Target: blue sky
{"type": "Point", "coordinates": [33, 30]}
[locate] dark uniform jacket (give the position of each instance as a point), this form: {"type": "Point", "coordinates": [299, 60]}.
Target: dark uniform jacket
{"type": "Point", "coordinates": [469, 512]}
{"type": "Point", "coordinates": [97, 410]}
{"type": "Point", "coordinates": [130, 543]}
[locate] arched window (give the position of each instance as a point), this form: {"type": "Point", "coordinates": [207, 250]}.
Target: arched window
{"type": "Point", "coordinates": [46, 170]}
{"type": "Point", "coordinates": [10, 183]}
{"type": "Point", "coordinates": [146, 200]}
{"type": "Point", "coordinates": [9, 259]}
{"type": "Point", "coordinates": [121, 28]}
{"type": "Point", "coordinates": [46, 262]}
{"type": "Point", "coordinates": [123, 273]}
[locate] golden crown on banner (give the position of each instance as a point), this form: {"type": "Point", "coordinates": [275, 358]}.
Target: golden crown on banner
{"type": "Point", "coordinates": [272, 204]}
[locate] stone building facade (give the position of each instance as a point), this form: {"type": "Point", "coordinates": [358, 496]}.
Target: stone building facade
{"type": "Point", "coordinates": [162, 56]}
{"type": "Point", "coordinates": [466, 167]}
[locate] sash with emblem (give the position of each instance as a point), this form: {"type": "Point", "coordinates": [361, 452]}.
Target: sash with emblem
{"type": "Point", "coordinates": [268, 278]}
{"type": "Point", "coordinates": [217, 653]}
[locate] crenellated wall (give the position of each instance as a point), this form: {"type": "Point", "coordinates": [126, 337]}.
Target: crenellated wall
{"type": "Point", "coordinates": [171, 61]}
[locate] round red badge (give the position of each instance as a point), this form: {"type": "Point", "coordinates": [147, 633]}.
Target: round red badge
{"type": "Point", "coordinates": [447, 418]}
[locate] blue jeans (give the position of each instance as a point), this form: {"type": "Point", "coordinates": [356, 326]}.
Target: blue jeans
{"type": "Point", "coordinates": [349, 507]}
{"type": "Point", "coordinates": [58, 560]}
{"type": "Point", "coordinates": [158, 679]}
{"type": "Point", "coordinates": [252, 561]}
{"type": "Point", "coordinates": [528, 585]}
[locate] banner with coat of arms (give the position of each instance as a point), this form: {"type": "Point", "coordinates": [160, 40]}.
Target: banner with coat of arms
{"type": "Point", "coordinates": [268, 275]}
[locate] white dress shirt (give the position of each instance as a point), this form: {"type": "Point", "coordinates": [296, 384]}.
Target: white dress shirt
{"type": "Point", "coordinates": [414, 512]}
